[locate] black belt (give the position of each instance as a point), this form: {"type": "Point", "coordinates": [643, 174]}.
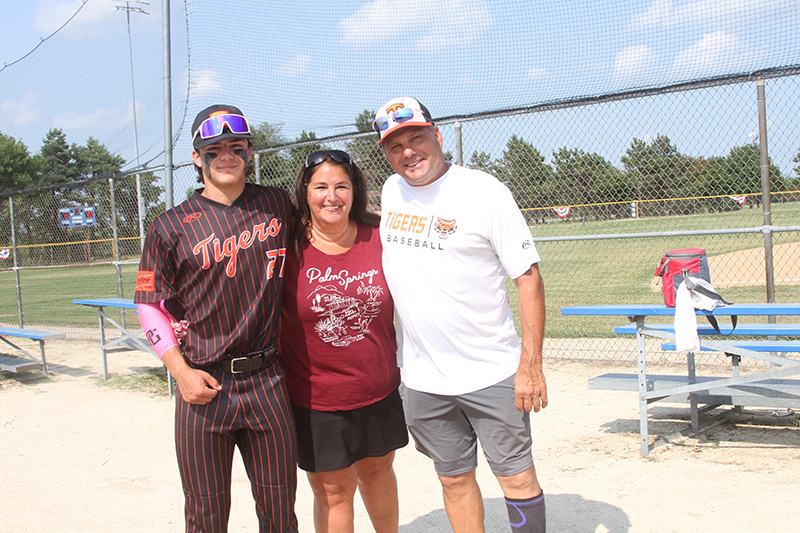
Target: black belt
{"type": "Point", "coordinates": [248, 362]}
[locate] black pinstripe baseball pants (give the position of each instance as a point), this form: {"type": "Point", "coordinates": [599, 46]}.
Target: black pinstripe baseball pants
{"type": "Point", "coordinates": [252, 412]}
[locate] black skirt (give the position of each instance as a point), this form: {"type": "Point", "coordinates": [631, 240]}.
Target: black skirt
{"type": "Point", "coordinates": [334, 440]}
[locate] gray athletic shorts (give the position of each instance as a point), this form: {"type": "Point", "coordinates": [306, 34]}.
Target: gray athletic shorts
{"type": "Point", "coordinates": [447, 429]}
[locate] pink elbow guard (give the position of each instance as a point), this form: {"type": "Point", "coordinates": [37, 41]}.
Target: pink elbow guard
{"type": "Point", "coordinates": [157, 328]}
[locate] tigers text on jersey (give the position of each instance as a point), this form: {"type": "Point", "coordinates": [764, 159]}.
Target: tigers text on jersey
{"type": "Point", "coordinates": [225, 265]}
{"type": "Point", "coordinates": [447, 248]}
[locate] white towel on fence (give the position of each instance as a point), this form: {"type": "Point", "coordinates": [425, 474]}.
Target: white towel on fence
{"type": "Point", "coordinates": [686, 337]}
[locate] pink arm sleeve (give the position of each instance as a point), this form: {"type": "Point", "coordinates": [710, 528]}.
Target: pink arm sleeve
{"type": "Point", "coordinates": [157, 328]}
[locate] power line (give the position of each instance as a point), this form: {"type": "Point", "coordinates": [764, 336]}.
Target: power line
{"type": "Point", "coordinates": [140, 207]}
{"type": "Point", "coordinates": [43, 39]}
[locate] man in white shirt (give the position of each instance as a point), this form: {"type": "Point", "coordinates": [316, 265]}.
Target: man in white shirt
{"type": "Point", "coordinates": [450, 237]}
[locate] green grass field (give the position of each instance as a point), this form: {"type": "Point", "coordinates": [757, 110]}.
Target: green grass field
{"type": "Point", "coordinates": [615, 271]}
{"type": "Point", "coordinates": [47, 294]}
{"type": "Point", "coordinates": [585, 272]}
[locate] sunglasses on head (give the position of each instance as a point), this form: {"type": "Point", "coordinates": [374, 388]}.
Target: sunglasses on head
{"type": "Point", "coordinates": [212, 127]}
{"type": "Point", "coordinates": [318, 157]}
{"type": "Point", "coordinates": [398, 117]}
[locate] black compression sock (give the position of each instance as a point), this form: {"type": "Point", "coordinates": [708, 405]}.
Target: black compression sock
{"type": "Point", "coordinates": [527, 516]}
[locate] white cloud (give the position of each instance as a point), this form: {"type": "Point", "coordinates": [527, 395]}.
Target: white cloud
{"type": "Point", "coordinates": [716, 53]}
{"type": "Point", "coordinates": [435, 24]}
{"type": "Point", "coordinates": [206, 83]}
{"type": "Point", "coordinates": [97, 120]}
{"type": "Point", "coordinates": [51, 14]}
{"type": "Point", "coordinates": [295, 67]}
{"type": "Point", "coordinates": [20, 113]}
{"type": "Point", "coordinates": [141, 113]}
{"type": "Point", "coordinates": [664, 13]}
{"type": "Point", "coordinates": [95, 19]}
{"type": "Point", "coordinates": [634, 64]}
{"type": "Point", "coordinates": [102, 118]}
{"type": "Point", "coordinates": [535, 74]}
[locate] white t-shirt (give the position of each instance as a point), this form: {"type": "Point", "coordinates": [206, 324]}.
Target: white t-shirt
{"type": "Point", "coordinates": [447, 247]}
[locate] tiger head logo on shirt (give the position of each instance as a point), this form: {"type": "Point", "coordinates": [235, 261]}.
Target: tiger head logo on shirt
{"type": "Point", "coordinates": [445, 227]}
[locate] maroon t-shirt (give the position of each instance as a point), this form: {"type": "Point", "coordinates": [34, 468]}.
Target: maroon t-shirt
{"type": "Point", "coordinates": [337, 340]}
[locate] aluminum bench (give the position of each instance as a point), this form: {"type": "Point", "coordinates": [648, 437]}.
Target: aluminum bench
{"type": "Point", "coordinates": [21, 364]}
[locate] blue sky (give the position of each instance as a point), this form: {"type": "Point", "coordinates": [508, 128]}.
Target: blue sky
{"type": "Point", "coordinates": [314, 65]}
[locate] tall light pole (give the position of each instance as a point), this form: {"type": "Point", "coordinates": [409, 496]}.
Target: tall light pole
{"type": "Point", "coordinates": [166, 49]}
{"type": "Point", "coordinates": [140, 204]}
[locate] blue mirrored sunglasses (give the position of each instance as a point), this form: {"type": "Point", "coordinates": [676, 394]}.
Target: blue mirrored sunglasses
{"type": "Point", "coordinates": [398, 117]}
{"type": "Point", "coordinates": [318, 157]}
{"type": "Point", "coordinates": [212, 127]}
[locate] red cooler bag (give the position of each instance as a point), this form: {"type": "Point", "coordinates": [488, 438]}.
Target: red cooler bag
{"type": "Point", "coordinates": [674, 264]}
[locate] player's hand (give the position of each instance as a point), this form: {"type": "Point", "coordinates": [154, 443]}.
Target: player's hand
{"type": "Point", "coordinates": [181, 330]}
{"type": "Point", "coordinates": [530, 390]}
{"type": "Point", "coordinates": [197, 386]}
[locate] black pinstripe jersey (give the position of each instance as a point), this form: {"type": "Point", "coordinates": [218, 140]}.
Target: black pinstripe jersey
{"type": "Point", "coordinates": [225, 266]}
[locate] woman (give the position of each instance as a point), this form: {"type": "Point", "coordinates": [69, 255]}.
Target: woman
{"type": "Point", "coordinates": [338, 347]}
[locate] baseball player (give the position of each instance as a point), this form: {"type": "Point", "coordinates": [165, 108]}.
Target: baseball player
{"type": "Point", "coordinates": [219, 255]}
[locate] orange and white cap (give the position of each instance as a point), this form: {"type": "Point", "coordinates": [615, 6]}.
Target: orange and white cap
{"type": "Point", "coordinates": [398, 113]}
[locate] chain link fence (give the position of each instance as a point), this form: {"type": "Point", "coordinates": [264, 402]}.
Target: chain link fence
{"type": "Point", "coordinates": [607, 185]}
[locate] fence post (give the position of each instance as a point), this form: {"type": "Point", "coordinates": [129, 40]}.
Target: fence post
{"type": "Point", "coordinates": [766, 207]}
{"type": "Point", "coordinates": [167, 61]}
{"type": "Point", "coordinates": [16, 266]}
{"type": "Point", "coordinates": [459, 155]}
{"type": "Point", "coordinates": [258, 168]}
{"type": "Point", "coordinates": [115, 244]}
{"type": "Point", "coordinates": [139, 204]}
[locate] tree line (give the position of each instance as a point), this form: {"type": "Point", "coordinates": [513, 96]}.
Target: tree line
{"type": "Point", "coordinates": [75, 166]}
{"type": "Point", "coordinates": [650, 171]}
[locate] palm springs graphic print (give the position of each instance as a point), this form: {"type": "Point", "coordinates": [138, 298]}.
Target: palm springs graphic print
{"type": "Point", "coordinates": [344, 314]}
{"type": "Point", "coordinates": [338, 344]}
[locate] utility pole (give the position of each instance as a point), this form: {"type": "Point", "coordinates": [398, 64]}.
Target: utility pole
{"type": "Point", "coordinates": [140, 207]}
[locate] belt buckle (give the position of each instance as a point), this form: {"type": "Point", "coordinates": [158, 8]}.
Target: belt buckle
{"type": "Point", "coordinates": [233, 365]}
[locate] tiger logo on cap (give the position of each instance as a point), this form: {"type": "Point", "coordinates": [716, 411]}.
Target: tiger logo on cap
{"type": "Point", "coordinates": [395, 107]}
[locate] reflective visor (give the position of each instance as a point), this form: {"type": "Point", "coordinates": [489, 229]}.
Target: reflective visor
{"type": "Point", "coordinates": [398, 117]}
{"type": "Point", "coordinates": [212, 127]}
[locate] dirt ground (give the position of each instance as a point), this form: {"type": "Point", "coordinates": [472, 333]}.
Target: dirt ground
{"type": "Point", "coordinates": [82, 455]}
{"type": "Point", "coordinates": [746, 268]}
